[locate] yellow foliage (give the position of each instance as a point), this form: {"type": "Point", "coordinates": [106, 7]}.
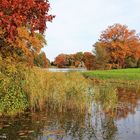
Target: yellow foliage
{"type": "Point", "coordinates": [26, 41]}
{"type": "Point", "coordinates": [23, 32]}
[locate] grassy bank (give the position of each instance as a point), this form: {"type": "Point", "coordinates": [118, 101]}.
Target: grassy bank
{"type": "Point", "coordinates": [118, 74]}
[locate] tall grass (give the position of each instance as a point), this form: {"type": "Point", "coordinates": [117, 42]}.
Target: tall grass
{"type": "Point", "coordinates": [56, 91]}
{"type": "Point", "coordinates": [106, 97]}
{"type": "Point", "coordinates": [24, 88]}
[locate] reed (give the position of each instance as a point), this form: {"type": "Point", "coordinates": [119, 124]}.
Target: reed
{"type": "Point", "coordinates": [56, 91]}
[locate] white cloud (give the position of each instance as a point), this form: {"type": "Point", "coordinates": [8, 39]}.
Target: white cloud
{"type": "Point", "coordinates": [78, 23]}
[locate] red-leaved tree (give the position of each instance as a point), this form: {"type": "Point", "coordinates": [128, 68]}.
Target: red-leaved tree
{"type": "Point", "coordinates": [22, 24]}
{"type": "Point", "coordinates": [89, 60]}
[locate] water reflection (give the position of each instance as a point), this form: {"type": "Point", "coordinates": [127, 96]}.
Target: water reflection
{"type": "Point", "coordinates": [123, 102]}
{"type": "Point", "coordinates": [114, 114]}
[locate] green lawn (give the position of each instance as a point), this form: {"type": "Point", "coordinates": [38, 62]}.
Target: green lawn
{"type": "Point", "coordinates": [120, 74]}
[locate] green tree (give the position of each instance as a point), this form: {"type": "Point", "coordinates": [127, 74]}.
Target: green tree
{"type": "Point", "coordinates": [130, 62]}
{"type": "Point", "coordinates": [101, 56]}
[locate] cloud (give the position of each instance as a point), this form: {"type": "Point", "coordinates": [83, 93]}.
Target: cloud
{"type": "Point", "coordinates": [78, 23]}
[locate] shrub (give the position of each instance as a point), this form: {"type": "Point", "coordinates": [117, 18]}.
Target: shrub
{"type": "Point", "coordinates": [13, 99]}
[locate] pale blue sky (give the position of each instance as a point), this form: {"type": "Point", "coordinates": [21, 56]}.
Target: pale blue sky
{"type": "Point", "coordinates": [78, 23]}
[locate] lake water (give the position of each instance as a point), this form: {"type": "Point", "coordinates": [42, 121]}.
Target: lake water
{"type": "Point", "coordinates": [114, 114]}
{"type": "Point", "coordinates": [66, 69]}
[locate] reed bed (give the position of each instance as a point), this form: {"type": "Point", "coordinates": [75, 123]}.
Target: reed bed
{"type": "Point", "coordinates": [56, 90]}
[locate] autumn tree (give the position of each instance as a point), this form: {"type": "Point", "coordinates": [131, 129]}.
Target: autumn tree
{"type": "Point", "coordinates": [119, 42]}
{"type": "Point", "coordinates": [78, 57]}
{"type": "Point", "coordinates": [41, 60]}
{"type": "Point", "coordinates": [65, 60]}
{"type": "Point", "coordinates": [89, 60]}
{"type": "Point", "coordinates": [22, 24]}
{"type": "Point", "coordinates": [71, 60]}
{"type": "Point", "coordinates": [60, 60]}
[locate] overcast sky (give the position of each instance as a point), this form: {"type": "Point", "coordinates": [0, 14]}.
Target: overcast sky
{"type": "Point", "coordinates": [78, 23]}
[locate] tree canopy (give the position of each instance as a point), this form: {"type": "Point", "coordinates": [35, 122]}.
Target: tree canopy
{"type": "Point", "coordinates": [118, 42]}
{"type": "Point", "coordinates": [22, 24]}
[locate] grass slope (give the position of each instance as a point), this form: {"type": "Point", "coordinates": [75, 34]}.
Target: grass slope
{"type": "Point", "coordinates": [121, 74]}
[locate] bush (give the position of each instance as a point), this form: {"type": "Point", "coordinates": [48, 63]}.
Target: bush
{"type": "Point", "coordinates": [13, 99]}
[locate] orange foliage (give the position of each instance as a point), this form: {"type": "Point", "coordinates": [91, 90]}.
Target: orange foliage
{"type": "Point", "coordinates": [60, 60]}
{"type": "Point", "coordinates": [89, 59]}
{"type": "Point", "coordinates": [78, 59]}
{"type": "Point", "coordinates": [22, 24]}
{"type": "Point", "coordinates": [27, 42]}
{"type": "Point", "coordinates": [119, 43]}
